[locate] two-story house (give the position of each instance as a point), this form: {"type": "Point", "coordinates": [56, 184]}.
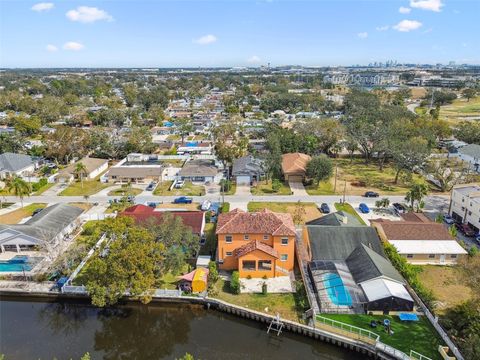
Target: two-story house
{"type": "Point", "coordinates": [256, 244]}
{"type": "Point", "coordinates": [465, 205]}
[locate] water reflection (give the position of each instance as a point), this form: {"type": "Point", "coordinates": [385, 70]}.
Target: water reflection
{"type": "Point", "coordinates": [67, 330]}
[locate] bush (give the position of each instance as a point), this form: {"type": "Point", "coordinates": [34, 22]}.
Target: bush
{"type": "Point", "coordinates": [276, 185]}
{"type": "Point", "coordinates": [264, 288]}
{"type": "Point", "coordinates": [226, 185]}
{"type": "Point", "coordinates": [212, 273]}
{"type": "Point", "coordinates": [38, 185]}
{"type": "Point", "coordinates": [235, 283]}
{"type": "Point", "coordinates": [225, 208]}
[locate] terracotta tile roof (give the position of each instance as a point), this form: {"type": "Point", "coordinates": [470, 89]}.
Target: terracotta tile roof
{"type": "Point", "coordinates": [141, 214]}
{"type": "Point", "coordinates": [252, 246]}
{"type": "Point", "coordinates": [294, 163]}
{"type": "Point", "coordinates": [262, 222]}
{"type": "Point", "coordinates": [403, 230]}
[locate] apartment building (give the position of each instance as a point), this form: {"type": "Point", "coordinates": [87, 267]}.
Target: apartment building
{"type": "Point", "coordinates": [465, 205]}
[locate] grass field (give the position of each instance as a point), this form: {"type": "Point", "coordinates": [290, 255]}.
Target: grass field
{"type": "Point", "coordinates": [14, 217]}
{"type": "Point", "coordinates": [461, 109]}
{"type": "Point", "coordinates": [361, 177]}
{"type": "Point", "coordinates": [350, 210]}
{"type": "Point", "coordinates": [123, 192]}
{"type": "Point", "coordinates": [284, 304]}
{"type": "Point", "coordinates": [418, 336]}
{"type": "Point", "coordinates": [323, 188]}
{"type": "Point", "coordinates": [89, 188]}
{"type": "Point", "coordinates": [43, 189]}
{"type": "Point", "coordinates": [187, 190]}
{"type": "Point", "coordinates": [311, 210]}
{"type": "Point", "coordinates": [446, 284]}
{"type": "Point", "coordinates": [263, 188]}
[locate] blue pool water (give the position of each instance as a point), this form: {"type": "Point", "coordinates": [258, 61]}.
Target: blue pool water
{"type": "Point", "coordinates": [17, 263]}
{"type": "Point", "coordinates": [337, 292]}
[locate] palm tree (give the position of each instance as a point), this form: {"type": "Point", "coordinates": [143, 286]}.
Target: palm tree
{"type": "Point", "coordinates": [19, 187]}
{"type": "Point", "coordinates": [80, 170]}
{"type": "Point", "coordinates": [416, 194]}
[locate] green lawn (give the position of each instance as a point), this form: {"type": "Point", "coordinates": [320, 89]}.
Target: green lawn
{"type": "Point", "coordinates": [284, 304]}
{"type": "Point", "coordinates": [460, 109]}
{"type": "Point", "coordinates": [187, 190]}
{"type": "Point", "coordinates": [419, 336]}
{"type": "Point", "coordinates": [43, 189]}
{"type": "Point", "coordinates": [350, 210]}
{"type": "Point", "coordinates": [4, 205]}
{"type": "Point", "coordinates": [263, 188]}
{"type": "Point", "coordinates": [90, 187]}
{"type": "Point", "coordinates": [232, 190]}
{"type": "Point", "coordinates": [323, 188]}
{"type": "Point", "coordinates": [14, 217]}
{"type": "Point", "coordinates": [123, 192]}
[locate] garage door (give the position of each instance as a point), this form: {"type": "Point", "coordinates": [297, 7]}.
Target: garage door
{"type": "Point", "coordinates": [243, 180]}
{"type": "Point", "coordinates": [295, 178]}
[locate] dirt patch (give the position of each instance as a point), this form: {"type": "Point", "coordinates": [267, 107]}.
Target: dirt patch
{"type": "Point", "coordinates": [446, 284]}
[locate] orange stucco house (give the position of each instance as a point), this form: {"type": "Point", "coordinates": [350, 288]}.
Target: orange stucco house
{"type": "Point", "coordinates": [256, 244]}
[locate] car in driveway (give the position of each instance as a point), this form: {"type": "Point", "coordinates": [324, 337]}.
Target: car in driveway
{"type": "Point", "coordinates": [465, 229]}
{"type": "Point", "coordinates": [364, 208]}
{"type": "Point", "coordinates": [447, 219]}
{"type": "Point", "coordinates": [324, 208]}
{"type": "Point", "coordinates": [183, 200]}
{"type": "Point", "coordinates": [477, 239]}
{"type": "Point", "coordinates": [179, 184]}
{"type": "Point", "coordinates": [205, 205]}
{"type": "Point", "coordinates": [150, 186]}
{"type": "Point", "coordinates": [369, 194]}
{"type": "Point", "coordinates": [399, 208]}
{"type": "Point", "coordinates": [36, 211]}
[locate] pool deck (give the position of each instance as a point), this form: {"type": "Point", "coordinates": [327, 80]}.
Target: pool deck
{"type": "Point", "coordinates": [8, 255]}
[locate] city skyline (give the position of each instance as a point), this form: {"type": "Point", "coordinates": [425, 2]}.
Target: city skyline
{"type": "Point", "coordinates": [240, 33]}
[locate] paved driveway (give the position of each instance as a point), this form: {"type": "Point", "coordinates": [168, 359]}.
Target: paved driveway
{"type": "Point", "coordinates": [297, 188]}
{"type": "Point", "coordinates": [243, 190]}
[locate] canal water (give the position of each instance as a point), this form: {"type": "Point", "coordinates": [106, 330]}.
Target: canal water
{"type": "Point", "coordinates": [68, 329]}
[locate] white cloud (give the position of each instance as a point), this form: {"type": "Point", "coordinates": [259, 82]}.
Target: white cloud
{"type": "Point", "coordinates": [44, 6]}
{"type": "Point", "coordinates": [362, 35]}
{"type": "Point", "coordinates": [254, 59]}
{"type": "Point", "coordinates": [86, 14]}
{"type": "Point", "coordinates": [51, 48]}
{"type": "Point", "coordinates": [431, 5]}
{"type": "Point", "coordinates": [206, 39]}
{"type": "Point", "coordinates": [407, 25]}
{"type": "Point", "coordinates": [404, 10]}
{"type": "Point", "coordinates": [72, 45]}
{"type": "Point", "coordinates": [382, 28]}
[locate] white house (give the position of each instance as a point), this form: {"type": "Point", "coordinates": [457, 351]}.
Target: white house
{"type": "Point", "coordinates": [465, 205]}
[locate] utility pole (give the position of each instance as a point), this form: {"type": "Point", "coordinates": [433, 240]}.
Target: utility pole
{"type": "Point", "coordinates": [344, 190]}
{"type": "Point", "coordinates": [336, 172]}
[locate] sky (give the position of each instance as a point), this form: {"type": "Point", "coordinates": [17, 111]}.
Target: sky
{"type": "Point", "coordinates": [125, 33]}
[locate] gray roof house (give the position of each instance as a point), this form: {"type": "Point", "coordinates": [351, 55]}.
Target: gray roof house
{"type": "Point", "coordinates": [16, 164]}
{"type": "Point", "coordinates": [349, 271]}
{"type": "Point", "coordinates": [200, 170]}
{"type": "Point", "coordinates": [248, 169]}
{"type": "Point", "coordinates": [470, 154]}
{"type": "Point", "coordinates": [339, 218]}
{"type": "Point", "coordinates": [47, 227]}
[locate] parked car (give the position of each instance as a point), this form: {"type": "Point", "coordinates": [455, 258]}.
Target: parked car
{"type": "Point", "coordinates": [371, 194]}
{"type": "Point", "coordinates": [183, 200]}
{"type": "Point", "coordinates": [448, 219]}
{"type": "Point", "coordinates": [179, 184]}
{"type": "Point", "coordinates": [36, 211]}
{"type": "Point", "coordinates": [364, 208]}
{"type": "Point", "coordinates": [205, 205]}
{"type": "Point", "coordinates": [324, 208]}
{"type": "Point", "coordinates": [131, 198]}
{"type": "Point", "coordinates": [150, 186]}
{"type": "Point", "coordinates": [477, 239]}
{"type": "Point", "coordinates": [399, 208]}
{"type": "Point", "coordinates": [465, 229]}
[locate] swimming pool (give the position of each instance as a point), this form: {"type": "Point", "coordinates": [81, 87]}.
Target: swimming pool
{"type": "Point", "coordinates": [19, 263]}
{"type": "Point", "coordinates": [336, 290]}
